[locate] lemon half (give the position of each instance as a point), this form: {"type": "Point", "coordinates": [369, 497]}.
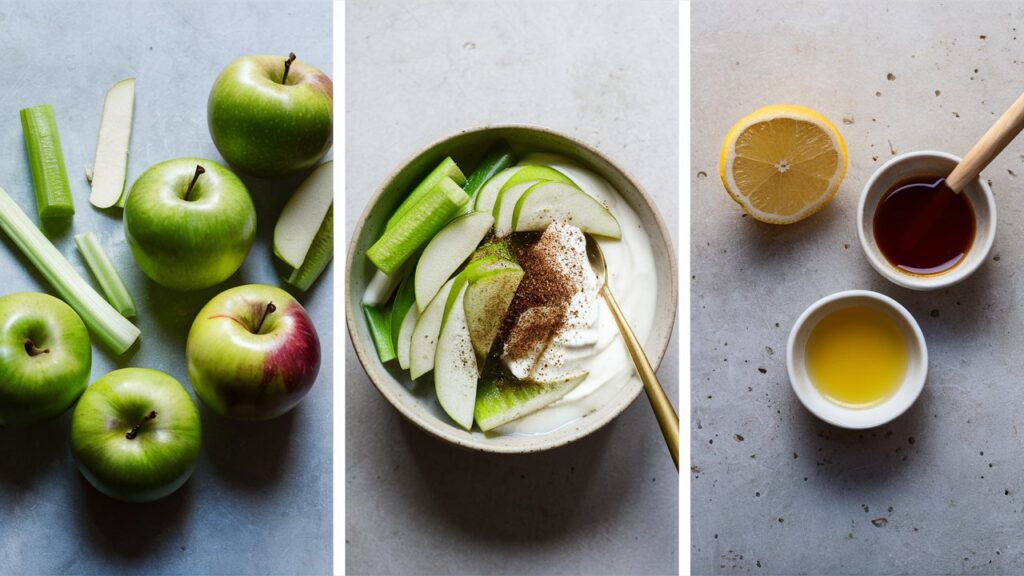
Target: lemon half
{"type": "Point", "coordinates": [783, 163]}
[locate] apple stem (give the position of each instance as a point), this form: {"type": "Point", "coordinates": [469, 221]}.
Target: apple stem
{"type": "Point", "coordinates": [135, 429]}
{"type": "Point", "coordinates": [199, 170]}
{"type": "Point", "coordinates": [287, 66]}
{"type": "Point", "coordinates": [30, 347]}
{"type": "Point", "coordinates": [266, 312]}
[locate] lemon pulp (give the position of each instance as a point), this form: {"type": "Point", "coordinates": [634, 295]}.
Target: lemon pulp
{"type": "Point", "coordinates": [857, 356]}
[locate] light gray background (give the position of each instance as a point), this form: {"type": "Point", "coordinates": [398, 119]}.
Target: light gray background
{"type": "Point", "coordinates": [605, 72]}
{"type": "Point", "coordinates": [260, 498]}
{"type": "Point", "coordinates": [775, 490]}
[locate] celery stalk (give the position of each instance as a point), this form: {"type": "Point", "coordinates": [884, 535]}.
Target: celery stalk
{"type": "Point", "coordinates": [497, 158]}
{"type": "Point", "coordinates": [45, 157]}
{"type": "Point", "coordinates": [446, 169]}
{"type": "Point", "coordinates": [106, 275]}
{"type": "Point", "coordinates": [417, 226]}
{"type": "Point", "coordinates": [379, 322]}
{"type": "Point", "coordinates": [106, 324]}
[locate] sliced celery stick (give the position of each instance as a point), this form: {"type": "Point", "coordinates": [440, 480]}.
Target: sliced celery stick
{"type": "Point", "coordinates": [379, 322]}
{"type": "Point", "coordinates": [382, 286]}
{"type": "Point", "coordinates": [417, 226]}
{"type": "Point", "coordinates": [109, 327]}
{"type": "Point", "coordinates": [106, 275]}
{"type": "Point", "coordinates": [446, 168]}
{"type": "Point", "coordinates": [111, 164]}
{"type": "Point", "coordinates": [405, 298]}
{"type": "Point", "coordinates": [498, 157]}
{"type": "Point", "coordinates": [45, 157]}
{"type": "Point", "coordinates": [318, 255]}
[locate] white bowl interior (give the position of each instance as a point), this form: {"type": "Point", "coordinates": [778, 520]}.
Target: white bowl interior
{"type": "Point", "coordinates": [831, 412]}
{"type": "Point", "coordinates": [417, 400]}
{"type": "Point", "coordinates": [914, 164]}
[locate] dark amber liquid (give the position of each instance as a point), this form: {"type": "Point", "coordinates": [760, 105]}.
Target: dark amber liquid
{"type": "Point", "coordinates": [923, 227]}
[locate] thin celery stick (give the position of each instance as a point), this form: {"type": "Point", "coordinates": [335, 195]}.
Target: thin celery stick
{"type": "Point", "coordinates": [417, 226]}
{"type": "Point", "coordinates": [45, 157]}
{"type": "Point", "coordinates": [379, 322]}
{"type": "Point", "coordinates": [106, 275]}
{"type": "Point", "coordinates": [498, 157]}
{"type": "Point", "coordinates": [447, 168]}
{"type": "Point", "coordinates": [105, 323]}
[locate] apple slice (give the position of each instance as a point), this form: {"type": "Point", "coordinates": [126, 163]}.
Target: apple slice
{"type": "Point", "coordinates": [456, 370]}
{"type": "Point", "coordinates": [513, 190]}
{"type": "Point", "coordinates": [295, 229]}
{"type": "Point", "coordinates": [423, 346]}
{"type": "Point", "coordinates": [487, 301]}
{"type": "Point", "coordinates": [489, 193]}
{"type": "Point", "coordinates": [447, 251]}
{"type": "Point", "coordinates": [551, 202]}
{"type": "Point", "coordinates": [405, 337]}
{"type": "Point", "coordinates": [111, 163]}
{"type": "Point", "coordinates": [502, 401]}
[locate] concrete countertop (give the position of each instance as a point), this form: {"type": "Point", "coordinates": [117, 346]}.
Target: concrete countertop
{"type": "Point", "coordinates": [774, 490]}
{"type": "Point", "coordinates": [606, 73]}
{"type": "Point", "coordinates": [260, 498]}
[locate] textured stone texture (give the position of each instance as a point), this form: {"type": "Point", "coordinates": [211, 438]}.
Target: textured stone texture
{"type": "Point", "coordinates": [260, 498]}
{"type": "Point", "coordinates": [774, 490]}
{"type": "Point", "coordinates": [607, 73]}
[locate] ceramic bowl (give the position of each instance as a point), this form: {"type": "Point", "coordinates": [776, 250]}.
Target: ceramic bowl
{"type": "Point", "coordinates": [416, 401]}
{"type": "Point", "coordinates": [927, 163]}
{"type": "Point", "coordinates": [857, 418]}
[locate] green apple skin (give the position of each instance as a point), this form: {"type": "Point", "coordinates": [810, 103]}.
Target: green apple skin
{"type": "Point", "coordinates": [189, 242]}
{"type": "Point", "coordinates": [268, 129]}
{"type": "Point", "coordinates": [45, 358]}
{"type": "Point", "coordinates": [252, 353]}
{"type": "Point", "coordinates": [159, 458]}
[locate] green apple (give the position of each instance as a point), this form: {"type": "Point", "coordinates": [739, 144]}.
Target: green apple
{"type": "Point", "coordinates": [252, 353]}
{"type": "Point", "coordinates": [501, 401]}
{"type": "Point", "coordinates": [45, 357]}
{"type": "Point", "coordinates": [135, 434]}
{"type": "Point", "coordinates": [514, 188]}
{"type": "Point", "coordinates": [447, 251]}
{"type": "Point", "coordinates": [548, 202]}
{"type": "Point", "coordinates": [189, 222]}
{"type": "Point", "coordinates": [487, 301]}
{"type": "Point", "coordinates": [271, 116]}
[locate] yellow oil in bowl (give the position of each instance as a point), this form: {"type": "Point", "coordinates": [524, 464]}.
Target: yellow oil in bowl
{"type": "Point", "coordinates": [857, 356]}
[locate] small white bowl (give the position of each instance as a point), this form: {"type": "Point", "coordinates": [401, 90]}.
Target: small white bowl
{"type": "Point", "coordinates": [857, 418]}
{"type": "Point", "coordinates": [925, 163]}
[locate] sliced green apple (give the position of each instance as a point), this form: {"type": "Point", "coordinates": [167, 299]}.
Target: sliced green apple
{"type": "Point", "coordinates": [484, 201]}
{"type": "Point", "coordinates": [423, 346]}
{"type": "Point", "coordinates": [405, 299]}
{"type": "Point", "coordinates": [447, 251]}
{"type": "Point", "coordinates": [535, 173]}
{"type": "Point", "coordinates": [501, 401]}
{"type": "Point", "coordinates": [513, 190]}
{"type": "Point", "coordinates": [405, 332]}
{"type": "Point", "coordinates": [294, 233]}
{"type": "Point", "coordinates": [111, 163]}
{"type": "Point", "coordinates": [318, 257]}
{"type": "Point", "coordinates": [456, 370]}
{"type": "Point", "coordinates": [551, 202]}
{"type": "Point", "coordinates": [487, 302]}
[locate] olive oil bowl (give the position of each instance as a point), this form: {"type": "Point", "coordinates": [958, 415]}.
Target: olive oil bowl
{"type": "Point", "coordinates": [857, 359]}
{"type": "Point", "coordinates": [917, 166]}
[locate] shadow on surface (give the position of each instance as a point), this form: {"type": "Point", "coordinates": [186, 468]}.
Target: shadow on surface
{"type": "Point", "coordinates": [509, 498]}
{"type": "Point", "coordinates": [132, 531]}
{"type": "Point", "coordinates": [248, 455]}
{"type": "Point", "coordinates": [26, 452]}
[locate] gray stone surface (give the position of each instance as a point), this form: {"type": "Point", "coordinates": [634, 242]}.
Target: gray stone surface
{"type": "Point", "coordinates": [774, 490]}
{"type": "Point", "coordinates": [260, 498]}
{"type": "Point", "coordinates": [607, 73]}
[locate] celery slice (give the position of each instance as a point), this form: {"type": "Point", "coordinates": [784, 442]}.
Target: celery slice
{"type": "Point", "coordinates": [106, 324]}
{"type": "Point", "coordinates": [446, 169]}
{"type": "Point", "coordinates": [106, 275]}
{"type": "Point", "coordinates": [379, 322]}
{"type": "Point", "coordinates": [417, 226]}
{"type": "Point", "coordinates": [498, 157]}
{"type": "Point", "coordinates": [318, 255]}
{"type": "Point", "coordinates": [45, 157]}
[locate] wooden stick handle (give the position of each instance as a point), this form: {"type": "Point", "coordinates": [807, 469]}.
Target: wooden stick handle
{"type": "Point", "coordinates": [991, 144]}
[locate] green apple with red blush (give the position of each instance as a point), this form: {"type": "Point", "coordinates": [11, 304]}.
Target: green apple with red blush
{"type": "Point", "coordinates": [136, 434]}
{"type": "Point", "coordinates": [271, 116]}
{"type": "Point", "coordinates": [252, 353]}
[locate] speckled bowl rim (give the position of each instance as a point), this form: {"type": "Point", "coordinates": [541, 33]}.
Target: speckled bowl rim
{"type": "Point", "coordinates": [596, 419]}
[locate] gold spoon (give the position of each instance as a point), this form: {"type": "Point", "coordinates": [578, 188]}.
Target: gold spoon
{"type": "Point", "coordinates": [663, 410]}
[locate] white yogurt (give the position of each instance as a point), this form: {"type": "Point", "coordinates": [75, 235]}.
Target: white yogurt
{"type": "Point", "coordinates": [632, 279]}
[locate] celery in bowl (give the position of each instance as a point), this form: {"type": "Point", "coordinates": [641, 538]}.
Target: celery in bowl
{"type": "Point", "coordinates": [502, 199]}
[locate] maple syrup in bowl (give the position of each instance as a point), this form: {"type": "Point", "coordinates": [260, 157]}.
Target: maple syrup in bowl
{"type": "Point", "coordinates": [917, 232]}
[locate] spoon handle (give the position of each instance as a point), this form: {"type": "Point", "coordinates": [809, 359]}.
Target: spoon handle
{"type": "Point", "coordinates": [991, 144]}
{"type": "Point", "coordinates": [663, 410]}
